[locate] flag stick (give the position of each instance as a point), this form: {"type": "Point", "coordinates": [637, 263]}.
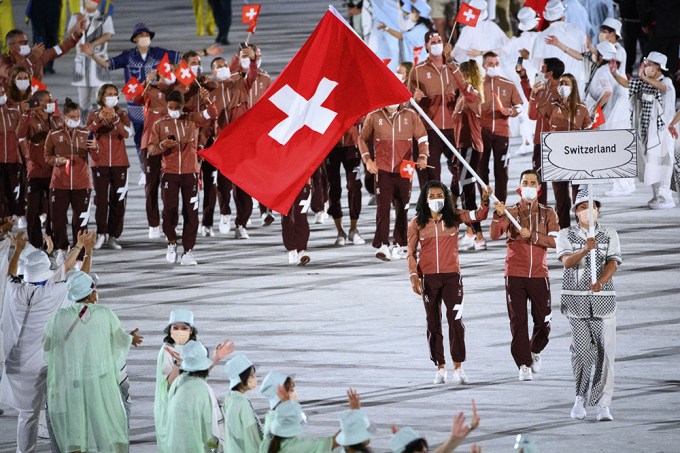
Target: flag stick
{"type": "Point", "coordinates": [461, 159]}
{"type": "Point", "coordinates": [452, 29]}
{"type": "Point", "coordinates": [248, 37]}
{"type": "Point", "coordinates": [591, 233]}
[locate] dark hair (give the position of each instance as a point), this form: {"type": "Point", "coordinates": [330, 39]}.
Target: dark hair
{"type": "Point", "coordinates": [215, 60]}
{"type": "Point", "coordinates": [175, 96]}
{"type": "Point", "coordinates": [530, 172]}
{"type": "Point", "coordinates": [607, 29]}
{"type": "Point", "coordinates": [429, 34]}
{"type": "Point", "coordinates": [38, 95]}
{"type": "Point", "coordinates": [554, 65]}
{"type": "Point", "coordinates": [243, 376]}
{"type": "Point", "coordinates": [275, 444]}
{"type": "Point", "coordinates": [423, 214]}
{"type": "Point", "coordinates": [489, 54]}
{"type": "Point", "coordinates": [13, 33]}
{"type": "Point", "coordinates": [361, 448]}
{"type": "Point", "coordinates": [289, 384]}
{"type": "Point", "coordinates": [70, 106]}
{"type": "Point", "coordinates": [203, 374]}
{"type": "Point", "coordinates": [102, 91]}
{"type": "Point", "coordinates": [14, 93]}
{"type": "Point", "coordinates": [189, 54]}
{"type": "Point", "coordinates": [574, 98]}
{"type": "Point", "coordinates": [416, 445]}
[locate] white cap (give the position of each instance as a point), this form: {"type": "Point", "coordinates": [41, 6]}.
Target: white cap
{"type": "Point", "coordinates": [195, 357]}
{"type": "Point", "coordinates": [37, 267]}
{"type": "Point", "coordinates": [658, 58]}
{"type": "Point", "coordinates": [21, 267]}
{"type": "Point", "coordinates": [582, 197]}
{"type": "Point", "coordinates": [481, 5]}
{"type": "Point", "coordinates": [614, 24]}
{"type": "Point", "coordinates": [554, 10]}
{"type": "Point", "coordinates": [528, 19]}
{"type": "Point", "coordinates": [606, 50]}
{"type": "Point", "coordinates": [234, 367]}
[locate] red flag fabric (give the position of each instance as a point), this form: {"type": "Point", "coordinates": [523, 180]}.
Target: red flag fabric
{"type": "Point", "coordinates": [37, 85]}
{"type": "Point", "coordinates": [407, 168]}
{"type": "Point", "coordinates": [272, 150]}
{"type": "Point", "coordinates": [598, 119]}
{"type": "Point", "coordinates": [164, 67]}
{"type": "Point", "coordinates": [132, 88]}
{"type": "Point", "coordinates": [467, 15]}
{"type": "Point", "coordinates": [184, 74]}
{"type": "Point", "coordinates": [416, 54]}
{"type": "Point", "coordinates": [250, 13]}
{"type": "Point", "coordinates": [387, 60]}
{"type": "Point", "coordinates": [67, 167]}
{"type": "Point", "coordinates": [252, 26]}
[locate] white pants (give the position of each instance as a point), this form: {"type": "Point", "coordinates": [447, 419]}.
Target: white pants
{"type": "Point", "coordinates": [609, 337]}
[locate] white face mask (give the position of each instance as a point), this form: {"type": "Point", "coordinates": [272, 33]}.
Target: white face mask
{"type": "Point", "coordinates": [436, 49]}
{"type": "Point", "coordinates": [24, 50]}
{"type": "Point", "coordinates": [393, 106]}
{"type": "Point", "coordinates": [492, 71]}
{"type": "Point", "coordinates": [50, 107]}
{"type": "Point", "coordinates": [72, 123]}
{"type": "Point", "coordinates": [171, 80]}
{"type": "Point", "coordinates": [436, 205]}
{"type": "Point", "coordinates": [180, 336]}
{"type": "Point", "coordinates": [223, 73]}
{"type": "Point", "coordinates": [401, 77]}
{"type": "Point", "coordinates": [540, 78]}
{"type": "Point", "coordinates": [409, 23]}
{"type": "Point", "coordinates": [23, 84]}
{"type": "Point", "coordinates": [111, 101]}
{"type": "Point", "coordinates": [258, 62]}
{"type": "Point", "coordinates": [245, 63]}
{"type": "Point", "coordinates": [529, 193]}
{"type": "Point", "coordinates": [196, 69]}
{"type": "Point", "coordinates": [584, 216]}
{"type": "Point", "coordinates": [174, 114]}
{"type": "Point", "coordinates": [144, 41]}
{"type": "Point", "coordinates": [3, 99]}
{"type": "Point", "coordinates": [564, 91]}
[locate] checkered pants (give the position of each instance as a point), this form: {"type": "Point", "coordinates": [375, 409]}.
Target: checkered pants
{"type": "Point", "coordinates": [593, 348]}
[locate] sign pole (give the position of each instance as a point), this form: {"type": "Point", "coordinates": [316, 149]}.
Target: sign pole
{"type": "Point", "coordinates": [591, 233]}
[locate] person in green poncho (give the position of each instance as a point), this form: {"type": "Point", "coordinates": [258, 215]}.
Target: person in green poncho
{"type": "Point", "coordinates": [286, 427]}
{"type": "Point", "coordinates": [270, 388]}
{"type": "Point", "coordinates": [85, 347]}
{"type": "Point", "coordinates": [354, 436]}
{"type": "Point", "coordinates": [242, 428]}
{"type": "Point", "coordinates": [193, 416]}
{"type": "Point", "coordinates": [179, 330]}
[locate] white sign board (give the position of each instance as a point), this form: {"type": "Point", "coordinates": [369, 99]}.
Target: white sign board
{"type": "Point", "coordinates": [588, 155]}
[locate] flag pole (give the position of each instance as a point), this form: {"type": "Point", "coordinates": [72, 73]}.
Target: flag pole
{"type": "Point", "coordinates": [248, 37]}
{"type": "Point", "coordinates": [452, 30]}
{"type": "Point", "coordinates": [591, 234]}
{"type": "Point", "coordinates": [461, 159]}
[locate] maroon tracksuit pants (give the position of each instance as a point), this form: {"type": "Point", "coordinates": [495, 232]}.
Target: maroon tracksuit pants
{"type": "Point", "coordinates": [37, 197]}
{"type": "Point", "coordinates": [244, 206]}
{"type": "Point", "coordinates": [171, 187]}
{"type": "Point", "coordinates": [319, 189]}
{"type": "Point", "coordinates": [216, 188]}
{"type": "Point", "coordinates": [463, 185]}
{"type": "Point", "coordinates": [152, 170]}
{"type": "Point", "coordinates": [449, 289]}
{"type": "Point", "coordinates": [560, 190]}
{"type": "Point", "coordinates": [60, 200]}
{"type": "Point", "coordinates": [294, 226]}
{"type": "Point", "coordinates": [110, 187]}
{"type": "Point", "coordinates": [437, 147]}
{"type": "Point", "coordinates": [348, 158]}
{"type": "Point", "coordinates": [498, 145]}
{"type": "Point", "coordinates": [389, 188]}
{"type": "Point", "coordinates": [10, 190]}
{"type": "Point", "coordinates": [537, 290]}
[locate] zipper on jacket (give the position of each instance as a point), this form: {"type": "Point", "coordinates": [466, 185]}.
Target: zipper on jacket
{"type": "Point", "coordinates": [73, 137]}
{"type": "Point", "coordinates": [4, 134]}
{"type": "Point", "coordinates": [436, 243]}
{"type": "Point", "coordinates": [493, 110]}
{"type": "Point", "coordinates": [531, 251]}
{"type": "Point", "coordinates": [179, 148]}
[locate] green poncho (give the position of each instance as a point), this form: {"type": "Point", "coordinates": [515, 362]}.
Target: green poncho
{"type": "Point", "coordinates": [190, 415]}
{"type": "Point", "coordinates": [242, 429]}
{"type": "Point", "coordinates": [295, 445]}
{"type": "Point", "coordinates": [84, 401]}
{"type": "Point", "coordinates": [164, 366]}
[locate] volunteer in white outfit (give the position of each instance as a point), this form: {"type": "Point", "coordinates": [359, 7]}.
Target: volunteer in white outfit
{"type": "Point", "coordinates": [476, 41]}
{"type": "Point", "coordinates": [413, 24]}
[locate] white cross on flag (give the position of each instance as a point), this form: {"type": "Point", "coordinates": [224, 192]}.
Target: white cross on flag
{"type": "Point", "coordinates": [250, 13]}
{"type": "Point", "coordinates": [467, 15]}
{"type": "Point", "coordinates": [272, 150]}
{"type": "Point", "coordinates": [598, 118]}
{"type": "Point", "coordinates": [37, 85]}
{"type": "Point", "coordinates": [184, 74]}
{"type": "Point", "coordinates": [132, 88]}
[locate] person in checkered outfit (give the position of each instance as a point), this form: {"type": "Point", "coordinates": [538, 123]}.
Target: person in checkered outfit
{"type": "Point", "coordinates": [590, 307]}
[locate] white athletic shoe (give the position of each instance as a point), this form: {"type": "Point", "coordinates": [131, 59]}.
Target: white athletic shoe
{"type": "Point", "coordinates": [43, 219]}
{"type": "Point", "coordinates": [383, 253]}
{"type": "Point", "coordinates": [398, 253]}
{"type": "Point", "coordinates": [241, 233]}
{"type": "Point", "coordinates": [372, 201]}
{"type": "Point", "coordinates": [467, 242]}
{"type": "Point", "coordinates": [293, 257]}
{"type": "Point", "coordinates": [225, 224]}
{"type": "Point", "coordinates": [114, 244]}
{"type": "Point", "coordinates": [459, 377]}
{"type": "Point", "coordinates": [101, 238]}
{"type": "Point", "coordinates": [303, 258]}
{"type": "Point", "coordinates": [603, 414]}
{"type": "Point", "coordinates": [206, 231]}
{"type": "Point", "coordinates": [525, 373]}
{"type": "Point", "coordinates": [535, 362]}
{"type": "Point", "coordinates": [661, 202]}
{"type": "Point", "coordinates": [440, 376]}
{"type": "Point", "coordinates": [188, 259]}
{"type": "Point", "coordinates": [154, 232]}
{"type": "Point", "coordinates": [355, 238]}
{"type": "Point", "coordinates": [21, 223]}
{"type": "Point", "coordinates": [267, 219]}
{"type": "Point", "coordinates": [341, 240]}
{"type": "Point", "coordinates": [171, 254]}
{"type": "Point", "coordinates": [320, 218]}
{"type": "Point", "coordinates": [618, 193]}
{"type": "Point", "coordinates": [480, 244]}
{"type": "Point", "coordinates": [142, 179]}
{"type": "Point", "coordinates": [578, 412]}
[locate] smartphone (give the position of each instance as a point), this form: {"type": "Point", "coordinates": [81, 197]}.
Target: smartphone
{"type": "Point", "coordinates": [90, 136]}
{"type": "Point", "coordinates": [33, 104]}
{"type": "Point", "coordinates": [520, 60]}
{"type": "Point", "coordinates": [171, 137]}
{"type": "Point", "coordinates": [243, 45]}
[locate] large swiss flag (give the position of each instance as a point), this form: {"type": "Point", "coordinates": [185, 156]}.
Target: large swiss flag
{"type": "Point", "coordinates": [335, 79]}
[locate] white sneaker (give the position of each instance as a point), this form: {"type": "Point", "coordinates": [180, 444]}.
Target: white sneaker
{"type": "Point", "coordinates": [225, 224]}
{"type": "Point", "coordinates": [303, 258]}
{"type": "Point", "coordinates": [618, 193]}
{"type": "Point", "coordinates": [524, 149]}
{"type": "Point", "coordinates": [154, 232]}
{"type": "Point", "coordinates": [21, 223]}
{"type": "Point", "coordinates": [241, 233]}
{"type": "Point", "coordinates": [578, 412]}
{"type": "Point", "coordinates": [355, 238]}
{"type": "Point", "coordinates": [535, 362]}
{"type": "Point", "coordinates": [371, 200]}
{"type": "Point", "coordinates": [459, 377]}
{"type": "Point", "coordinates": [249, 223]}
{"type": "Point", "coordinates": [267, 219]}
{"type": "Point", "coordinates": [603, 414]}
{"type": "Point", "coordinates": [480, 244]}
{"type": "Point", "coordinates": [320, 218]}
{"type": "Point", "coordinates": [206, 231]}
{"type": "Point", "coordinates": [188, 259]}
{"type": "Point", "coordinates": [101, 238]}
{"type": "Point", "coordinates": [440, 376]}
{"type": "Point", "coordinates": [171, 254]}
{"type": "Point", "coordinates": [142, 179]}
{"type": "Point", "coordinates": [661, 203]}
{"type": "Point", "coordinates": [341, 240]}
{"type": "Point", "coordinates": [525, 373]}
{"type": "Point", "coordinates": [467, 242]}
{"type": "Point", "coordinates": [398, 253]}
{"type": "Point", "coordinates": [383, 253]}
{"type": "Point", "coordinates": [293, 257]}
{"type": "Point", "coordinates": [114, 244]}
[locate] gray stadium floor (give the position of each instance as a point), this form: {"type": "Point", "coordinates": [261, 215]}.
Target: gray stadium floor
{"type": "Point", "coordinates": [349, 320]}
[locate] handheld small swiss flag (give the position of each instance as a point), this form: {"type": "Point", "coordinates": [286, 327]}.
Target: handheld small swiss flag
{"type": "Point", "coordinates": [37, 85]}
{"type": "Point", "coordinates": [467, 15]}
{"type": "Point", "coordinates": [598, 119]}
{"type": "Point", "coordinates": [184, 74]}
{"type": "Point", "coordinates": [164, 67]}
{"type": "Point", "coordinates": [132, 88]}
{"type": "Point", "coordinates": [250, 13]}
{"type": "Point", "coordinates": [416, 54]}
{"type": "Point", "coordinates": [407, 168]}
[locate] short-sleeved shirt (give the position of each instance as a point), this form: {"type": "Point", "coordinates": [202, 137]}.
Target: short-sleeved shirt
{"type": "Point", "coordinates": [577, 300]}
